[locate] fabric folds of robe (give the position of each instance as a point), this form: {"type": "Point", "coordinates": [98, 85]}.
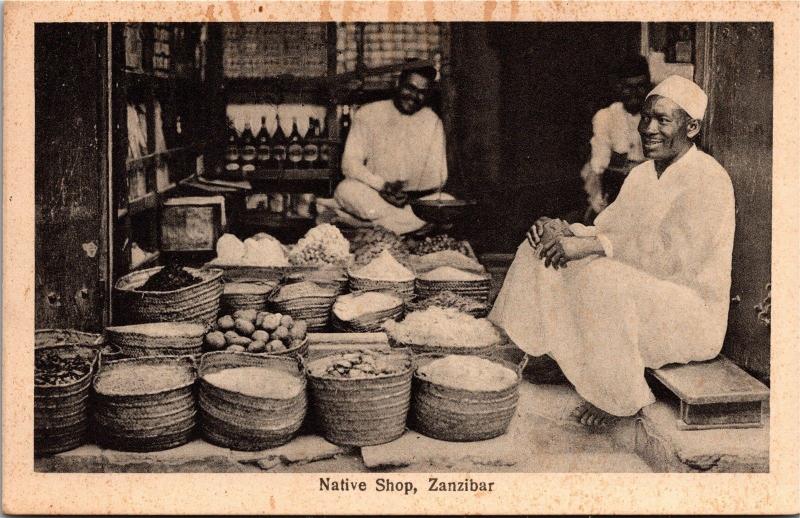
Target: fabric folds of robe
{"type": "Point", "coordinates": [659, 296]}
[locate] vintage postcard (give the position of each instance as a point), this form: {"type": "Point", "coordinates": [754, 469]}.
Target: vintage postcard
{"type": "Point", "coordinates": [400, 257]}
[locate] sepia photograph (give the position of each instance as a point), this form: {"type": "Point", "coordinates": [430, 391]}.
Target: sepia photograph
{"type": "Point", "coordinates": [399, 257]}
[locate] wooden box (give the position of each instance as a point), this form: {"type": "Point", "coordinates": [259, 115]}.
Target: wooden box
{"type": "Point", "coordinates": [192, 224]}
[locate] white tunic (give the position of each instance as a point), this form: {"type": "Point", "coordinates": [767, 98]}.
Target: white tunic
{"type": "Point", "coordinates": [385, 145]}
{"type": "Point", "coordinates": [614, 130]}
{"type": "Point", "coordinates": [659, 296]}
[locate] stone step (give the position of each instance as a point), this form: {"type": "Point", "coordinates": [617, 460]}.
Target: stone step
{"type": "Point", "coordinates": [668, 449]}
{"type": "Point", "coordinates": [715, 394]}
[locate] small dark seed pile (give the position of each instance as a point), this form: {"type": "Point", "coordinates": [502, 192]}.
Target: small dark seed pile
{"type": "Point", "coordinates": [171, 277]}
{"type": "Point", "coordinates": [439, 243]}
{"type": "Point", "coordinates": [52, 369]}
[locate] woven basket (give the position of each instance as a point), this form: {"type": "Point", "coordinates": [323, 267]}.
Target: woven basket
{"type": "Point", "coordinates": [363, 411]}
{"type": "Point", "coordinates": [333, 278]}
{"type": "Point", "coordinates": [477, 289]}
{"type": "Point", "coordinates": [405, 289]}
{"type": "Point", "coordinates": [452, 414]}
{"type": "Point", "coordinates": [61, 412]}
{"type": "Point", "coordinates": [173, 339]}
{"type": "Point", "coordinates": [147, 420]}
{"type": "Point", "coordinates": [314, 308]}
{"type": "Point", "coordinates": [234, 420]}
{"type": "Point", "coordinates": [232, 300]}
{"type": "Point", "coordinates": [418, 349]}
{"type": "Point", "coordinates": [196, 303]}
{"type": "Point", "coordinates": [368, 322]}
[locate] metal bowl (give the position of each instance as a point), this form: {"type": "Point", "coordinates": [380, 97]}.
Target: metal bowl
{"type": "Point", "coordinates": [442, 211]}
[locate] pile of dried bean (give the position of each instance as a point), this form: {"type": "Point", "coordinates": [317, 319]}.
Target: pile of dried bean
{"type": "Point", "coordinates": [52, 369]}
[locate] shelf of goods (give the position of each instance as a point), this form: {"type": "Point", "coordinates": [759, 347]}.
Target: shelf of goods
{"type": "Point", "coordinates": [158, 72]}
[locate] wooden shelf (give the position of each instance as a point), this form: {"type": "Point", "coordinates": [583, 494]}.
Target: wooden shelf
{"type": "Point", "coordinates": [272, 220]}
{"type": "Point", "coordinates": [292, 174]}
{"type": "Point", "coordinates": [161, 154]}
{"type": "Point", "coordinates": [144, 203]}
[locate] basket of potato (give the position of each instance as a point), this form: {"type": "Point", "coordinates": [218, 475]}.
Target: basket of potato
{"type": "Point", "coordinates": [258, 332]}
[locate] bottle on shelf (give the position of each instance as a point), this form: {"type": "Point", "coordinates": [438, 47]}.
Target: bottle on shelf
{"type": "Point", "coordinates": [324, 158]}
{"type": "Point", "coordinates": [311, 147]}
{"type": "Point", "coordinates": [344, 124]}
{"type": "Point", "coordinates": [263, 147]}
{"type": "Point", "coordinates": [248, 150]}
{"type": "Point", "coordinates": [294, 151]}
{"type": "Point", "coordinates": [278, 146]}
{"type": "Point", "coordinates": [232, 166]}
{"type": "Point", "coordinates": [180, 137]}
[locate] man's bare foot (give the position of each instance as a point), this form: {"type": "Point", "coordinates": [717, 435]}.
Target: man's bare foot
{"type": "Point", "coordinates": [589, 415]}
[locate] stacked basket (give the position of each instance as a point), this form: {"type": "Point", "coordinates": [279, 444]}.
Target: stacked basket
{"type": "Point", "coordinates": [138, 419]}
{"type": "Point", "coordinates": [334, 278]}
{"type": "Point", "coordinates": [243, 422]}
{"type": "Point", "coordinates": [405, 289]}
{"type": "Point", "coordinates": [158, 339]}
{"type": "Point", "coordinates": [312, 305]}
{"type": "Point", "coordinates": [196, 303]}
{"type": "Point", "coordinates": [361, 411]}
{"type": "Point", "coordinates": [455, 414]}
{"type": "Point", "coordinates": [475, 289]}
{"type": "Point", "coordinates": [368, 322]}
{"type": "Point", "coordinates": [61, 412]}
{"type": "Point", "coordinates": [245, 295]}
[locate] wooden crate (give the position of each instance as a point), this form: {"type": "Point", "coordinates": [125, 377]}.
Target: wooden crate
{"type": "Point", "coordinates": [192, 224]}
{"type": "Point", "coordinates": [715, 394]}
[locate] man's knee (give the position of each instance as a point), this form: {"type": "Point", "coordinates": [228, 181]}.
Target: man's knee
{"type": "Point", "coordinates": [358, 199]}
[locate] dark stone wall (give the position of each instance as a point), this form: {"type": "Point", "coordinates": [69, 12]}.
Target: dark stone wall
{"type": "Point", "coordinates": [739, 136]}
{"type": "Point", "coordinates": [525, 94]}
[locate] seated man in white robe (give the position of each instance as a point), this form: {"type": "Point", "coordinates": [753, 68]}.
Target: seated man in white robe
{"type": "Point", "coordinates": [395, 152]}
{"type": "Point", "coordinates": [647, 285]}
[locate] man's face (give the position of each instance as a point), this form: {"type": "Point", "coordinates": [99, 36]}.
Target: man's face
{"type": "Point", "coordinates": [412, 94]}
{"type": "Point", "coordinates": [665, 130]}
{"type": "Point", "coordinates": [632, 92]}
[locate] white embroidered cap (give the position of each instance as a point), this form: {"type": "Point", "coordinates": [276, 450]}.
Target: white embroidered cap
{"type": "Point", "coordinates": [684, 93]}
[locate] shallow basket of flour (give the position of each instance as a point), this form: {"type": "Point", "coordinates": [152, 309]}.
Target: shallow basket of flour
{"type": "Point", "coordinates": [463, 398]}
{"type": "Point", "coordinates": [368, 409]}
{"type": "Point", "coordinates": [304, 301]}
{"type": "Point", "coordinates": [196, 303]}
{"type": "Point", "coordinates": [381, 274]}
{"type": "Point", "coordinates": [158, 339]}
{"type": "Point", "coordinates": [145, 404]}
{"type": "Point", "coordinates": [250, 402]}
{"type": "Point", "coordinates": [365, 312]}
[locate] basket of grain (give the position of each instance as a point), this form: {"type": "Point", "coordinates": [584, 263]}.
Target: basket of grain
{"type": "Point", "coordinates": [250, 402]}
{"type": "Point", "coordinates": [365, 312]}
{"type": "Point", "coordinates": [304, 301]}
{"type": "Point", "coordinates": [197, 301]}
{"type": "Point", "coordinates": [360, 397]}
{"type": "Point", "coordinates": [158, 339]}
{"type": "Point", "coordinates": [64, 363]}
{"type": "Point", "coordinates": [331, 277]}
{"type": "Point", "coordinates": [383, 273]}
{"type": "Point", "coordinates": [463, 398]}
{"type": "Point", "coordinates": [245, 295]}
{"type": "Point", "coordinates": [444, 331]}
{"type": "Point", "coordinates": [447, 278]}
{"type": "Point", "coordinates": [145, 404]}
